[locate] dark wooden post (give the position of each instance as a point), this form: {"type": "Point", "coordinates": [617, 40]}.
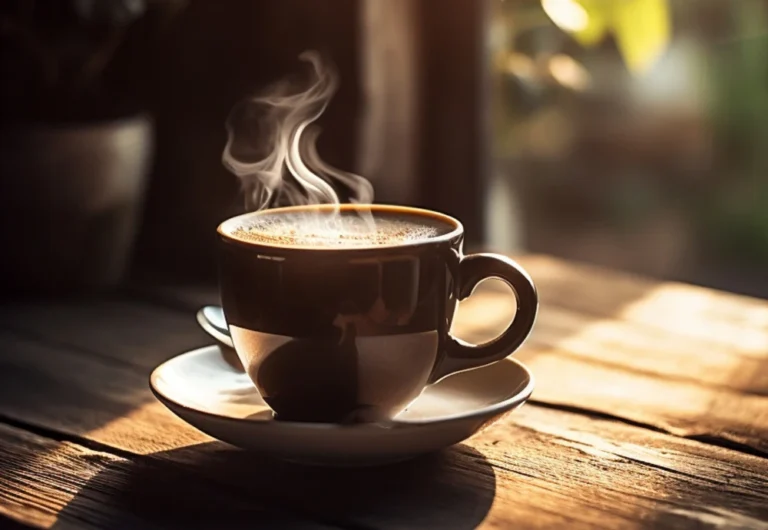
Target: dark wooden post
{"type": "Point", "coordinates": [453, 100]}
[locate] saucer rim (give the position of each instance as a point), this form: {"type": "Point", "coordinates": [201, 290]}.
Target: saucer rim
{"type": "Point", "coordinates": [512, 402]}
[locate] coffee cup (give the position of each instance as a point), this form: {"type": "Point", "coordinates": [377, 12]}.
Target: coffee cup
{"type": "Point", "coordinates": [343, 314]}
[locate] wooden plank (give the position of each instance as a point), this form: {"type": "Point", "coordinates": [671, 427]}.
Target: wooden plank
{"type": "Point", "coordinates": [653, 351]}
{"type": "Point", "coordinates": [539, 467]}
{"type": "Point", "coordinates": [134, 333]}
{"type": "Point", "coordinates": [606, 366]}
{"type": "Point", "coordinates": [666, 334]}
{"type": "Point", "coordinates": [84, 395]}
{"type": "Point", "coordinates": [46, 483]}
{"type": "Point", "coordinates": [110, 404]}
{"type": "Point", "coordinates": [671, 311]}
{"type": "Point", "coordinates": [678, 407]}
{"type": "Point", "coordinates": [620, 344]}
{"type": "Point", "coordinates": [654, 480]}
{"type": "Point", "coordinates": [679, 384]}
{"type": "Point", "coordinates": [182, 297]}
{"type": "Point", "coordinates": [650, 377]}
{"type": "Point", "coordinates": [737, 322]}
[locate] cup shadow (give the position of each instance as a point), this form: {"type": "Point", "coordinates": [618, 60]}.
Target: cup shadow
{"type": "Point", "coordinates": [216, 485]}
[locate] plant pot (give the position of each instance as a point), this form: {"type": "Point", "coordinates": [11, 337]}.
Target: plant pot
{"type": "Point", "coordinates": [70, 202]}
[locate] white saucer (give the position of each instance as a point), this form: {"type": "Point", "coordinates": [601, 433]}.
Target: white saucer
{"type": "Point", "coordinates": [207, 389]}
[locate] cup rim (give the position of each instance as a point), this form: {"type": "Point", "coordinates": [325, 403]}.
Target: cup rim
{"type": "Point", "coordinates": [458, 228]}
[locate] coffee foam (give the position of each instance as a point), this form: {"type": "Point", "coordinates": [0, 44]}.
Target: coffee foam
{"type": "Point", "coordinates": [340, 232]}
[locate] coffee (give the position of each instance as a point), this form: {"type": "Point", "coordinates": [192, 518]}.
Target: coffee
{"type": "Point", "coordinates": [328, 229]}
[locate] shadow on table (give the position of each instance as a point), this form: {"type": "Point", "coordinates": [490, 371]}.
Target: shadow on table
{"type": "Point", "coordinates": [215, 485]}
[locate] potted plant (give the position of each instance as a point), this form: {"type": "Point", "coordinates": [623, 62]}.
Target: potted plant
{"type": "Point", "coordinates": [75, 148]}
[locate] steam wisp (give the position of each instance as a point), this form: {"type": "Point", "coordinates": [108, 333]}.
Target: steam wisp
{"type": "Point", "coordinates": [272, 147]}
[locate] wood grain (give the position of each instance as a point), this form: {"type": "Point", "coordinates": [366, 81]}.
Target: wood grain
{"type": "Point", "coordinates": [53, 484]}
{"type": "Point", "coordinates": [711, 320]}
{"type": "Point", "coordinates": [620, 344]}
{"type": "Point", "coordinates": [650, 479]}
{"type": "Point", "coordinates": [541, 467]}
{"type": "Point", "coordinates": [736, 322]}
{"type": "Point", "coordinates": [647, 374]}
{"type": "Point", "coordinates": [680, 408]}
{"type": "Point", "coordinates": [80, 369]}
{"type": "Point", "coordinates": [128, 332]}
{"type": "Point", "coordinates": [83, 395]}
{"type": "Point", "coordinates": [653, 351]}
{"type": "Point", "coordinates": [590, 370]}
{"type": "Point", "coordinates": [671, 330]}
{"type": "Point", "coordinates": [608, 366]}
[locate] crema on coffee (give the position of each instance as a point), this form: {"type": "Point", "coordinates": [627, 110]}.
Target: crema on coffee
{"type": "Point", "coordinates": [339, 230]}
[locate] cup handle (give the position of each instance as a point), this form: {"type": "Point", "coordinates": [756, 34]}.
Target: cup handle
{"type": "Point", "coordinates": [460, 355]}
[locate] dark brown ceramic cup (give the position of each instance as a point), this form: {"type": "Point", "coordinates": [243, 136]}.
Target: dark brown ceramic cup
{"type": "Point", "coordinates": [350, 334]}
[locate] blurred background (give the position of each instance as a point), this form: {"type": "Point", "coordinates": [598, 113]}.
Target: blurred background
{"type": "Point", "coordinates": [624, 133]}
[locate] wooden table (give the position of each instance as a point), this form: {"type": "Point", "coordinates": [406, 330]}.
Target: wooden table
{"type": "Point", "coordinates": [651, 410]}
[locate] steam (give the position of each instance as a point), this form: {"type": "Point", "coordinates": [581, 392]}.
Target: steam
{"type": "Point", "coordinates": [271, 145]}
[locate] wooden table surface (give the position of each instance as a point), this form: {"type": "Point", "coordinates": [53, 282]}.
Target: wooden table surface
{"type": "Point", "coordinates": [650, 410]}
